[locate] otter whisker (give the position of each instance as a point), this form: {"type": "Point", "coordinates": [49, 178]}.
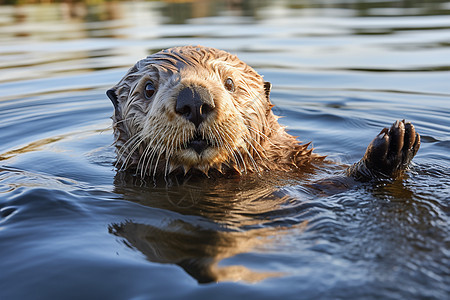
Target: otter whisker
{"type": "Point", "coordinates": [154, 149]}
{"type": "Point", "coordinates": [185, 137]}
{"type": "Point", "coordinates": [239, 153]}
{"type": "Point", "coordinates": [131, 148]}
{"type": "Point", "coordinates": [259, 132]}
{"type": "Point", "coordinates": [254, 148]}
{"type": "Point", "coordinates": [140, 143]}
{"type": "Point", "coordinates": [115, 123]}
{"type": "Point", "coordinates": [148, 154]}
{"type": "Point", "coordinates": [161, 151]}
{"type": "Point", "coordinates": [227, 146]}
{"type": "Point", "coordinates": [142, 162]}
{"type": "Point", "coordinates": [150, 158]}
{"type": "Point", "coordinates": [169, 154]}
{"type": "Point", "coordinates": [170, 151]}
{"type": "Point", "coordinates": [125, 147]}
{"type": "Point", "coordinates": [257, 143]}
{"type": "Point", "coordinates": [252, 160]}
{"type": "Point", "coordinates": [250, 157]}
{"type": "Point", "coordinates": [265, 136]}
{"type": "Point", "coordinates": [222, 142]}
{"type": "Point", "coordinates": [214, 139]}
{"type": "Point", "coordinates": [132, 119]}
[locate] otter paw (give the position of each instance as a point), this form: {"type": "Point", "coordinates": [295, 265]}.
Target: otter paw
{"type": "Point", "coordinates": [389, 153]}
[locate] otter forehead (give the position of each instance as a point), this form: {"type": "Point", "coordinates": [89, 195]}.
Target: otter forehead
{"type": "Point", "coordinates": [194, 60]}
{"type": "Point", "coordinates": [181, 57]}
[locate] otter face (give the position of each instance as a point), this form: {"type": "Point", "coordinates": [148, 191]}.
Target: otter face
{"type": "Point", "coordinates": [191, 108]}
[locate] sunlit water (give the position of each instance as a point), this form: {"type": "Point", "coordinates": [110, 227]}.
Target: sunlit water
{"type": "Point", "coordinates": [71, 228]}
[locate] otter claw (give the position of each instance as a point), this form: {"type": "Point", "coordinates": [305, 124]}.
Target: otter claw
{"type": "Point", "coordinates": [389, 153]}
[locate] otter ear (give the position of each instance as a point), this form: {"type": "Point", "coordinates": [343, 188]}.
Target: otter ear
{"type": "Point", "coordinates": [111, 93]}
{"type": "Point", "coordinates": [267, 87]}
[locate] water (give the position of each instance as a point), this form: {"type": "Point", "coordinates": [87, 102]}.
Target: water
{"type": "Point", "coordinates": [70, 227]}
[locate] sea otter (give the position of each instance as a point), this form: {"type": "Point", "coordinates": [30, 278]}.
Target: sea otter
{"type": "Point", "coordinates": [202, 110]}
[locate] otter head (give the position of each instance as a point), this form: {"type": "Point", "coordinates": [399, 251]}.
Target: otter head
{"type": "Point", "coordinates": [200, 108]}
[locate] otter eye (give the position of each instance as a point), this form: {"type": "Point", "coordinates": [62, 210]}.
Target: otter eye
{"type": "Point", "coordinates": [149, 90]}
{"type": "Point", "coordinates": [229, 85]}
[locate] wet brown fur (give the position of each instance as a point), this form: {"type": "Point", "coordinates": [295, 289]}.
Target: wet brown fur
{"type": "Point", "coordinates": [151, 138]}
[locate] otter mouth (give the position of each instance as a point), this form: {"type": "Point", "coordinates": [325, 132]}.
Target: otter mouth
{"type": "Point", "coordinates": [198, 144]}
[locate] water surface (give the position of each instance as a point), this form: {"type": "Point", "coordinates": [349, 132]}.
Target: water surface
{"type": "Point", "coordinates": [71, 227]}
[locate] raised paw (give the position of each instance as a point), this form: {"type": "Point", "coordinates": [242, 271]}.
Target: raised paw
{"type": "Point", "coordinates": [389, 153]}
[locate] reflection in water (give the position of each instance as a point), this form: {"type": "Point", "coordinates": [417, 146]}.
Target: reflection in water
{"type": "Point", "coordinates": [234, 202]}
{"type": "Point", "coordinates": [232, 214]}
{"type": "Point", "coordinates": [198, 250]}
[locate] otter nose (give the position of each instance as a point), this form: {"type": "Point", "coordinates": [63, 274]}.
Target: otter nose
{"type": "Point", "coordinates": [194, 104]}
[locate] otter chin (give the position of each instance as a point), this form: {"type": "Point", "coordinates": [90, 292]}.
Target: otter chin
{"type": "Point", "coordinates": [188, 109]}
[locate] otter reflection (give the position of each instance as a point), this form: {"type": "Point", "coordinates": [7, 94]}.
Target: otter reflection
{"type": "Point", "coordinates": [213, 221]}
